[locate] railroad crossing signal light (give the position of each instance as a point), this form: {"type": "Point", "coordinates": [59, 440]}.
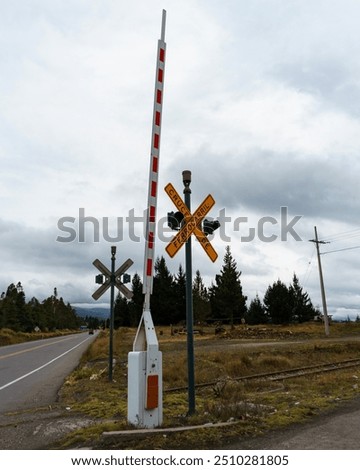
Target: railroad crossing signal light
{"type": "Point", "coordinates": [175, 219]}
{"type": "Point", "coordinates": [209, 226]}
{"type": "Point", "coordinates": [126, 278]}
{"type": "Point", "coordinates": [99, 279]}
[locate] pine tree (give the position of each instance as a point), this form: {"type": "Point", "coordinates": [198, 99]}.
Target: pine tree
{"type": "Point", "coordinates": [180, 296]}
{"type": "Point", "coordinates": [136, 303]}
{"type": "Point", "coordinates": [162, 300]}
{"type": "Point", "coordinates": [256, 314]}
{"type": "Point", "coordinates": [36, 314]}
{"type": "Point", "coordinates": [13, 309]}
{"type": "Point", "coordinates": [302, 308]}
{"type": "Point", "coordinates": [18, 315]}
{"type": "Point", "coordinates": [49, 307]}
{"type": "Point", "coordinates": [201, 304]}
{"type": "Point", "coordinates": [278, 303]}
{"type": "Point", "coordinates": [227, 300]}
{"type": "Point", "coordinates": [121, 312]}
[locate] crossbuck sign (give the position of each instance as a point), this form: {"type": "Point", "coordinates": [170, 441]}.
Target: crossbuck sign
{"type": "Point", "coordinates": [192, 224]}
{"type": "Point", "coordinates": [107, 273]}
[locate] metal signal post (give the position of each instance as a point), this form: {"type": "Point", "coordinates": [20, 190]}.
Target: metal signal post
{"type": "Point", "coordinates": [112, 288]}
{"type": "Point", "coordinates": [112, 280]}
{"type": "Point", "coordinates": [189, 302]}
{"type": "Point", "coordinates": [188, 224]}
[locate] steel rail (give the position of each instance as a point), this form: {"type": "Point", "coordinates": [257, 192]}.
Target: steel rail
{"type": "Point", "coordinates": [281, 375]}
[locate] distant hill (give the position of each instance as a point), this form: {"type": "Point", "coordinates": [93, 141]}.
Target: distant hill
{"type": "Point", "coordinates": [101, 313]}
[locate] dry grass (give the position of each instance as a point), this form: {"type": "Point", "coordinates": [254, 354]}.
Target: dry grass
{"type": "Point", "coordinates": [8, 336]}
{"type": "Point", "coordinates": [256, 405]}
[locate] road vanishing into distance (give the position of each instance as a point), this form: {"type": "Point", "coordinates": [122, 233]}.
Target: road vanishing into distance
{"type": "Point", "coordinates": [32, 373]}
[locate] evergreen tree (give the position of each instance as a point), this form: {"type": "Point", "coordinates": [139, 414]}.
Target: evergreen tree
{"type": "Point", "coordinates": [65, 315]}
{"type": "Point", "coordinates": [121, 312]}
{"type": "Point", "coordinates": [36, 314]}
{"type": "Point", "coordinates": [278, 304]}
{"type": "Point", "coordinates": [13, 308]}
{"type": "Point", "coordinates": [49, 306]}
{"type": "Point", "coordinates": [18, 315]}
{"type": "Point", "coordinates": [2, 311]}
{"type": "Point", "coordinates": [179, 292]}
{"type": "Point", "coordinates": [302, 308]}
{"type": "Point", "coordinates": [24, 321]}
{"type": "Point", "coordinates": [226, 298]}
{"type": "Point", "coordinates": [256, 314]}
{"type": "Point", "coordinates": [93, 323]}
{"type": "Point", "coordinates": [136, 303]}
{"type": "Point", "coordinates": [163, 298]}
{"type": "Point", "coordinates": [201, 304]}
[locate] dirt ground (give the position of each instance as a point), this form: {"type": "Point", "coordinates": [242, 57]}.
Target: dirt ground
{"type": "Point", "coordinates": [337, 429]}
{"type": "Point", "coordinates": [38, 429]}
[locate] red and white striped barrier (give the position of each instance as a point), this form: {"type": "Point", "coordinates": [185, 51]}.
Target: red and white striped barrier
{"type": "Point", "coordinates": [145, 366]}
{"type": "Point", "coordinates": [154, 168]}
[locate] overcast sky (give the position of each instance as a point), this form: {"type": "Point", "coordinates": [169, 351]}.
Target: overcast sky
{"type": "Point", "coordinates": [261, 103]}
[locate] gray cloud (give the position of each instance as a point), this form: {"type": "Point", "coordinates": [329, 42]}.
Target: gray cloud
{"type": "Point", "coordinates": [261, 104]}
{"type": "Point", "coordinates": [264, 182]}
{"type": "Point", "coordinates": [331, 80]}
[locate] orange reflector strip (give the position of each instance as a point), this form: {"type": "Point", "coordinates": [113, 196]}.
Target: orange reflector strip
{"type": "Point", "coordinates": [152, 397]}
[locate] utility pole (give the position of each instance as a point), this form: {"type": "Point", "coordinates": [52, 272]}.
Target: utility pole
{"type": "Point", "coordinates": [323, 297]}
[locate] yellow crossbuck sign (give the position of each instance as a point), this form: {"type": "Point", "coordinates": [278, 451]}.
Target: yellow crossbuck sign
{"type": "Point", "coordinates": [192, 224]}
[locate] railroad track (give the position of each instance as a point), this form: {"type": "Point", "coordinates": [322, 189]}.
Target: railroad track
{"type": "Point", "coordinates": [283, 374]}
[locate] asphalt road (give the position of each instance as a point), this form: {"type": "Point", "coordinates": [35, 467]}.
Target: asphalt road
{"type": "Point", "coordinates": [32, 373]}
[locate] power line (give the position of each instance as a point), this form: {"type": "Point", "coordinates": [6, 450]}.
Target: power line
{"type": "Point", "coordinates": [341, 249]}
{"type": "Point", "coordinates": [344, 235]}
{"type": "Point", "coordinates": [308, 269]}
